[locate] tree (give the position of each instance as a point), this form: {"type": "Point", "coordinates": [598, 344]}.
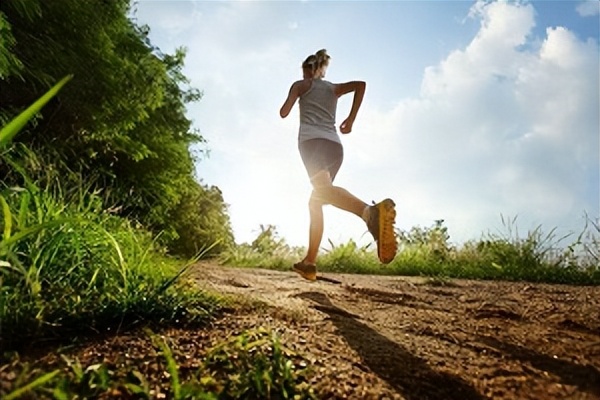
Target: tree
{"type": "Point", "coordinates": [120, 122]}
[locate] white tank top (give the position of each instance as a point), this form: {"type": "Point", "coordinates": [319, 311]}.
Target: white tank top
{"type": "Point", "coordinates": [317, 112]}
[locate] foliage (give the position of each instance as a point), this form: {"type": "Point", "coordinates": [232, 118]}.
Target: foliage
{"type": "Point", "coordinates": [120, 122]}
{"type": "Point", "coordinates": [427, 251]}
{"type": "Point", "coordinates": [198, 220]}
{"type": "Point", "coordinates": [9, 64]}
{"type": "Point", "coordinates": [252, 365]}
{"type": "Point", "coordinates": [66, 264]}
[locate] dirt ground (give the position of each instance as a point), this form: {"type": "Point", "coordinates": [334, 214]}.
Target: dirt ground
{"type": "Point", "coordinates": [375, 337]}
{"type": "Point", "coordinates": [414, 338]}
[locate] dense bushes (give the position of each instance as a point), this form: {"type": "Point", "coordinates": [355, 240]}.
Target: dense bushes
{"type": "Point", "coordinates": [120, 123]}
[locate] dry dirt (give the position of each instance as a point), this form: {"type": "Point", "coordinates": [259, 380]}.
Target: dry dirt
{"type": "Point", "coordinates": [376, 337]}
{"type": "Point", "coordinates": [414, 338]}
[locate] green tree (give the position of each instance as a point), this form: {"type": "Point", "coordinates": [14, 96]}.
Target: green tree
{"type": "Point", "coordinates": [200, 222]}
{"type": "Point", "coordinates": [121, 121]}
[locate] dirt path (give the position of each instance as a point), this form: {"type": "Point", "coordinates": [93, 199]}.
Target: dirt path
{"type": "Point", "coordinates": [412, 338]}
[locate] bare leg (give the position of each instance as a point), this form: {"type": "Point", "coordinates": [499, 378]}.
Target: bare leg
{"type": "Point", "coordinates": [315, 235]}
{"type": "Point", "coordinates": [338, 197]}
{"type": "Point", "coordinates": [325, 193]}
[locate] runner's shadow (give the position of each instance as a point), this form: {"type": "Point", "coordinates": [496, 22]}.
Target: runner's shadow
{"type": "Point", "coordinates": [405, 372]}
{"type": "Point", "coordinates": [586, 378]}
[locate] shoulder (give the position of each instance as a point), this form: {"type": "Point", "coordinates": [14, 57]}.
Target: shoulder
{"type": "Point", "coordinates": [302, 86]}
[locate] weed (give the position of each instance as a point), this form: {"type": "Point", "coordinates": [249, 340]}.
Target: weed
{"type": "Point", "coordinates": [426, 251]}
{"type": "Point", "coordinates": [256, 365]}
{"type": "Point", "coordinates": [252, 365]}
{"type": "Point", "coordinates": [67, 266]}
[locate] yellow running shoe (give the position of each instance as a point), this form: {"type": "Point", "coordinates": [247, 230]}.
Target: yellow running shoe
{"type": "Point", "coordinates": [381, 225]}
{"type": "Point", "coordinates": [307, 271]}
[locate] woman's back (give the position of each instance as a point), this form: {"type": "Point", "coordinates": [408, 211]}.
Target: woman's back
{"type": "Point", "coordinates": [317, 112]}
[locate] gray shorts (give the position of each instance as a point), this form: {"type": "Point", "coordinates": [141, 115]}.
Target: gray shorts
{"type": "Point", "coordinates": [321, 154]}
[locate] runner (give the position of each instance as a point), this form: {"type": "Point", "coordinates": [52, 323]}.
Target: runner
{"type": "Point", "coordinates": [322, 154]}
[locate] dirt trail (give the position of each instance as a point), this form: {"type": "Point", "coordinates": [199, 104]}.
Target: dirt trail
{"type": "Point", "coordinates": [412, 338]}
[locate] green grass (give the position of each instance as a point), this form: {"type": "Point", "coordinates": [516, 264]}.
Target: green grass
{"type": "Point", "coordinates": [266, 251]}
{"type": "Point", "coordinates": [252, 365]}
{"type": "Point", "coordinates": [70, 267]}
{"type": "Point", "coordinates": [533, 257]}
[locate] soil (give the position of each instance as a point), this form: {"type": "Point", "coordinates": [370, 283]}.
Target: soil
{"type": "Point", "coordinates": [380, 337]}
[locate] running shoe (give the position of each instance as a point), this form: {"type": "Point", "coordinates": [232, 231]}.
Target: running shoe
{"type": "Point", "coordinates": [307, 271]}
{"type": "Point", "coordinates": [381, 225]}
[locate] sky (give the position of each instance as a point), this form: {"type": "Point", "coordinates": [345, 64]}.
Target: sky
{"type": "Point", "coordinates": [475, 111]}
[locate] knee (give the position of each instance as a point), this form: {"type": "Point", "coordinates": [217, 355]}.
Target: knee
{"type": "Point", "coordinates": [320, 194]}
{"type": "Point", "coordinates": [314, 203]}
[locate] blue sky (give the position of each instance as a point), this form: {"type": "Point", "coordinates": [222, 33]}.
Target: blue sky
{"type": "Point", "coordinates": [473, 110]}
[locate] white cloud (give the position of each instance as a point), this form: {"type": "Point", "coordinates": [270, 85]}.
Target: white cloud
{"type": "Point", "coordinates": [173, 17]}
{"type": "Point", "coordinates": [497, 130]}
{"type": "Point", "coordinates": [588, 8]}
{"type": "Point", "coordinates": [505, 124]}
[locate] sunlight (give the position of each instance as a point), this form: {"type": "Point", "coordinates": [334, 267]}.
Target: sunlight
{"type": "Point", "coordinates": [273, 193]}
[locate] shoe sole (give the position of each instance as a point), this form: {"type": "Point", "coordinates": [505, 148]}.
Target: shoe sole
{"type": "Point", "coordinates": [386, 245]}
{"type": "Point", "coordinates": [310, 276]}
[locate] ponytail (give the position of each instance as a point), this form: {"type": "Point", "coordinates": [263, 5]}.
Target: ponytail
{"type": "Point", "coordinates": [315, 61]}
{"type": "Point", "coordinates": [322, 58]}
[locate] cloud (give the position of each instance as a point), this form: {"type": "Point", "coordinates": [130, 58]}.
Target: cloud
{"type": "Point", "coordinates": [506, 124]}
{"type": "Point", "coordinates": [499, 128]}
{"type": "Point", "coordinates": [588, 8]}
{"type": "Point", "coordinates": [173, 17]}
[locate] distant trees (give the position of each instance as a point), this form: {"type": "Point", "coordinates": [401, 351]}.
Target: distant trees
{"type": "Point", "coordinates": [120, 123]}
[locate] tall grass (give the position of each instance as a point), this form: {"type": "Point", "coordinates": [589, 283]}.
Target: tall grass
{"type": "Point", "coordinates": [68, 265]}
{"type": "Point", "coordinates": [535, 256]}
{"type": "Point", "coordinates": [268, 250]}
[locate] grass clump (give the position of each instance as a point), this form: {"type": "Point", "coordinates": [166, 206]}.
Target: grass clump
{"type": "Point", "coordinates": [68, 265]}
{"type": "Point", "coordinates": [256, 365]}
{"type": "Point", "coordinates": [252, 365]}
{"type": "Point", "coordinates": [268, 250]}
{"type": "Point", "coordinates": [427, 251]}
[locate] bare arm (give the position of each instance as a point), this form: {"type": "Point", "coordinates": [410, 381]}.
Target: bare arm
{"type": "Point", "coordinates": [298, 89]}
{"type": "Point", "coordinates": [358, 87]}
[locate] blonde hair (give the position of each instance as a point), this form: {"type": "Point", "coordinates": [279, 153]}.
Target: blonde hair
{"type": "Point", "coordinates": [316, 61]}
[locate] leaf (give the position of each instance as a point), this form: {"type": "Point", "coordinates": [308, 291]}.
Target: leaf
{"type": "Point", "coordinates": [14, 126]}
{"type": "Point", "coordinates": [29, 231]}
{"type": "Point", "coordinates": [7, 219]}
{"type": "Point", "coordinates": [31, 385]}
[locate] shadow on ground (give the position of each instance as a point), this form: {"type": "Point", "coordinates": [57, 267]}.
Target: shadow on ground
{"type": "Point", "coordinates": [405, 372]}
{"type": "Point", "coordinates": [586, 378]}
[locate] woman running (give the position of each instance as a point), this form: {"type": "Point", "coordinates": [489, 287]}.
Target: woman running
{"type": "Point", "coordinates": [322, 154]}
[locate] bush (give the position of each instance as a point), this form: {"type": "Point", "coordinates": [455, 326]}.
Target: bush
{"type": "Point", "coordinates": [268, 250]}
{"type": "Point", "coordinates": [427, 251]}
{"type": "Point", "coordinates": [67, 264]}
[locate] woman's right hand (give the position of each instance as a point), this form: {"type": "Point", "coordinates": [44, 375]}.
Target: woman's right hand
{"type": "Point", "coordinates": [346, 126]}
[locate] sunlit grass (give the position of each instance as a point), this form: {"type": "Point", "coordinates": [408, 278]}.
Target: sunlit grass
{"type": "Point", "coordinates": [537, 256]}
{"type": "Point", "coordinates": [68, 266]}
